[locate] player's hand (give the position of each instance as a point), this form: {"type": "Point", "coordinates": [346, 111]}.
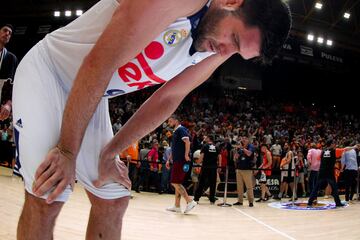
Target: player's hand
{"type": "Point", "coordinates": [167, 165]}
{"type": "Point", "coordinates": [4, 112]}
{"type": "Point", "coordinates": [54, 174]}
{"type": "Point", "coordinates": [112, 169]}
{"type": "Point", "coordinates": [187, 158]}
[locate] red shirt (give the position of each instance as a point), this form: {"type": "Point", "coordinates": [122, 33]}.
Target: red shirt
{"type": "Point", "coordinates": [224, 157]}
{"type": "Point", "coordinates": [265, 162]}
{"type": "Point", "coordinates": [153, 157]}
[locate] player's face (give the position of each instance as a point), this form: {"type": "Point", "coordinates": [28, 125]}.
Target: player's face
{"type": "Point", "coordinates": [286, 146]}
{"type": "Point", "coordinates": [224, 33]}
{"type": "Point", "coordinates": [263, 149]}
{"type": "Point", "coordinates": [171, 122]}
{"type": "Point", "coordinates": [5, 35]}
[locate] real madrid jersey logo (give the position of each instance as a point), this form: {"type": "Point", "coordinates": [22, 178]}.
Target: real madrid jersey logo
{"type": "Point", "coordinates": [172, 37]}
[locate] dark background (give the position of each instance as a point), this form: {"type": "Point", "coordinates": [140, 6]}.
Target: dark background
{"type": "Point", "coordinates": [292, 76]}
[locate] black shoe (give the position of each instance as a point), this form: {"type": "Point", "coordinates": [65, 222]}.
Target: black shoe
{"type": "Point", "coordinates": [340, 205]}
{"type": "Point", "coordinates": [251, 205]}
{"type": "Point", "coordinates": [277, 198]}
{"type": "Point", "coordinates": [294, 199]}
{"type": "Point", "coordinates": [215, 198]}
{"type": "Point", "coordinates": [238, 204]}
{"type": "Point", "coordinates": [310, 204]}
{"type": "Point", "coordinates": [137, 190]}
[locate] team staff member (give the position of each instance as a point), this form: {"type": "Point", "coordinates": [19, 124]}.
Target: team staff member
{"type": "Point", "coordinates": [210, 158]}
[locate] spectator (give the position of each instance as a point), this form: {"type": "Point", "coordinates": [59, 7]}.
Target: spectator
{"type": "Point", "coordinates": [165, 176]}
{"type": "Point", "coordinates": [350, 168]}
{"type": "Point", "coordinates": [244, 173]}
{"type": "Point", "coordinates": [276, 151]}
{"type": "Point", "coordinates": [300, 166]}
{"type": "Point", "coordinates": [153, 158]}
{"type": "Point", "coordinates": [196, 170]}
{"type": "Point", "coordinates": [8, 65]}
{"type": "Point", "coordinates": [314, 159]}
{"type": "Point", "coordinates": [131, 154]}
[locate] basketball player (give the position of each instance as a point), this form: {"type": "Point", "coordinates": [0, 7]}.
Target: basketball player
{"type": "Point", "coordinates": [62, 86]}
{"type": "Point", "coordinates": [180, 154]}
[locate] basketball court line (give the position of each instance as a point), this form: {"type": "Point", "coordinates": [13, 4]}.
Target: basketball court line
{"type": "Point", "coordinates": [265, 225]}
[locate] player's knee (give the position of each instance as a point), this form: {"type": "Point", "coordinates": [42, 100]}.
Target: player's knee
{"type": "Point", "coordinates": [112, 206]}
{"type": "Point", "coordinates": [40, 209]}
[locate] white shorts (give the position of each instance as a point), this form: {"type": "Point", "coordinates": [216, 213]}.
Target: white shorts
{"type": "Point", "coordinates": [38, 104]}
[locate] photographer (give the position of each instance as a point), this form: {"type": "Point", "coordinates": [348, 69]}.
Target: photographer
{"type": "Point", "coordinates": [244, 162]}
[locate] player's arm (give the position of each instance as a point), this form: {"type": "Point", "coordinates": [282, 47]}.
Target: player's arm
{"type": "Point", "coordinates": [186, 140]}
{"type": "Point", "coordinates": [133, 25]}
{"type": "Point", "coordinates": [269, 158]}
{"type": "Point", "coordinates": [219, 158]}
{"type": "Point", "coordinates": [288, 157]}
{"type": "Point", "coordinates": [171, 93]}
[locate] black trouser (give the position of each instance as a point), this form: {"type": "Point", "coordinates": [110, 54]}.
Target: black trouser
{"type": "Point", "coordinates": [207, 179]}
{"type": "Point", "coordinates": [134, 176]}
{"type": "Point", "coordinates": [313, 180]}
{"type": "Point", "coordinates": [154, 180]}
{"type": "Point", "coordinates": [144, 178]}
{"type": "Point", "coordinates": [350, 177]}
{"type": "Point", "coordinates": [321, 184]}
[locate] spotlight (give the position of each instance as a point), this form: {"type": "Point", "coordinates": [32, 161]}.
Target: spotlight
{"type": "Point", "coordinates": [56, 13]}
{"type": "Point", "coordinates": [329, 42]}
{"type": "Point", "coordinates": [79, 12]}
{"type": "Point", "coordinates": [310, 37]}
{"type": "Point", "coordinates": [68, 13]}
{"type": "Point", "coordinates": [347, 15]}
{"type": "Point", "coordinates": [318, 5]}
{"type": "Point", "coordinates": [320, 40]}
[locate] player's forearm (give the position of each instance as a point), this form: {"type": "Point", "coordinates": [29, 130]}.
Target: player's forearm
{"type": "Point", "coordinates": [187, 147]}
{"type": "Point", "coordinates": [164, 101]}
{"type": "Point", "coordinates": [82, 102]}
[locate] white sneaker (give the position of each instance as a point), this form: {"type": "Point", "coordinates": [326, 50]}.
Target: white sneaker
{"type": "Point", "coordinates": [190, 206]}
{"type": "Point", "coordinates": [174, 209]}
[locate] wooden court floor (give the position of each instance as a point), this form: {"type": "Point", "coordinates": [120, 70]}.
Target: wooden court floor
{"type": "Point", "coordinates": [146, 218]}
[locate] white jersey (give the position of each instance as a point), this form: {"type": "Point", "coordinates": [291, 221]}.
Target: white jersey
{"type": "Point", "coordinates": [164, 58]}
